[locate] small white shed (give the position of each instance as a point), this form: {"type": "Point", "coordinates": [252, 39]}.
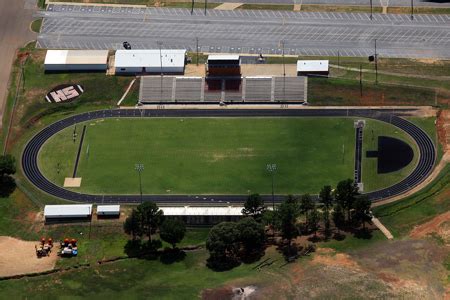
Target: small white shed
{"type": "Point", "coordinates": [312, 68]}
{"type": "Point", "coordinates": [108, 210]}
{"type": "Point", "coordinates": [67, 211]}
{"type": "Point", "coordinates": [76, 60]}
{"type": "Point", "coordinates": [154, 61]}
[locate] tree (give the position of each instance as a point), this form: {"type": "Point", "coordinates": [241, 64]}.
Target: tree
{"type": "Point", "coordinates": [7, 165]}
{"type": "Point", "coordinates": [151, 217]}
{"type": "Point", "coordinates": [254, 207]}
{"type": "Point", "coordinates": [288, 213]}
{"type": "Point", "coordinates": [314, 218]}
{"type": "Point", "coordinates": [326, 221]}
{"type": "Point", "coordinates": [345, 194]}
{"type": "Point", "coordinates": [172, 231]}
{"type": "Point", "coordinates": [306, 204]}
{"type": "Point", "coordinates": [291, 199]}
{"type": "Point", "coordinates": [326, 196]}
{"type": "Point", "coordinates": [338, 216]}
{"type": "Point", "coordinates": [362, 211]}
{"type": "Point", "coordinates": [251, 235]}
{"type": "Point", "coordinates": [223, 244]}
{"type": "Point", "coordinates": [132, 225]}
{"type": "Point", "coordinates": [7, 168]}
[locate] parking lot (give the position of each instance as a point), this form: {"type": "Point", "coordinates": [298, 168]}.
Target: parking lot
{"type": "Point", "coordinates": [246, 31]}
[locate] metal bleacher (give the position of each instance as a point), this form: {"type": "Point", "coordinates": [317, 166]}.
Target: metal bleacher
{"type": "Point", "coordinates": [212, 90]}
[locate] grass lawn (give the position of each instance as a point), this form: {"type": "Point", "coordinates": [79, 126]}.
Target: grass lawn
{"type": "Point", "coordinates": [36, 25]}
{"type": "Point", "coordinates": [400, 217]}
{"type": "Point", "coordinates": [346, 91]}
{"type": "Point", "coordinates": [373, 181]}
{"type": "Point", "coordinates": [205, 155]}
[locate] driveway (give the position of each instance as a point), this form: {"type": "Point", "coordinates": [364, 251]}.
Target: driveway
{"type": "Point", "coordinates": [15, 19]}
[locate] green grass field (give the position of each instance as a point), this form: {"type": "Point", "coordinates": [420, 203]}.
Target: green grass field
{"type": "Point", "coordinates": [214, 155]}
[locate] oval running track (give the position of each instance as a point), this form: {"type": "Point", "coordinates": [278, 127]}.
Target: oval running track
{"type": "Point", "coordinates": [427, 151]}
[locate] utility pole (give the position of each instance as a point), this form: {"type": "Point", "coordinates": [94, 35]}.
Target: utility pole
{"type": "Point", "coordinates": [160, 59]}
{"type": "Point", "coordinates": [272, 168]}
{"type": "Point", "coordinates": [206, 4]}
{"type": "Point", "coordinates": [371, 10]}
{"type": "Point", "coordinates": [284, 71]}
{"type": "Point", "coordinates": [360, 80]}
{"type": "Point", "coordinates": [139, 168]}
{"type": "Point", "coordinates": [338, 59]}
{"type": "Point", "coordinates": [412, 9]}
{"type": "Point", "coordinates": [196, 48]}
{"type": "Point", "coordinates": [376, 63]}
{"type": "Point", "coordinates": [192, 7]}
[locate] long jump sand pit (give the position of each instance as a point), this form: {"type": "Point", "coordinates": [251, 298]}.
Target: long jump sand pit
{"type": "Point", "coordinates": [19, 257]}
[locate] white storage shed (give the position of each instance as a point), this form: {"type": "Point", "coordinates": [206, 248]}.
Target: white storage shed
{"type": "Point", "coordinates": [68, 211]}
{"type": "Point", "coordinates": [108, 210]}
{"type": "Point", "coordinates": [312, 68]}
{"type": "Point", "coordinates": [169, 61]}
{"type": "Point", "coordinates": [76, 60]}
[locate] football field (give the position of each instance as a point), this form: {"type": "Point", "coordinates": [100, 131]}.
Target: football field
{"type": "Point", "coordinates": [208, 155]}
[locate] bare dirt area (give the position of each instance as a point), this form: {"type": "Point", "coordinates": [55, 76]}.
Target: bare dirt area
{"type": "Point", "coordinates": [410, 269]}
{"type": "Point", "coordinates": [19, 257]}
{"type": "Point", "coordinates": [439, 225]}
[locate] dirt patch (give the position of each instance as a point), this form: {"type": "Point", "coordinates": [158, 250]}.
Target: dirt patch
{"type": "Point", "coordinates": [19, 257]}
{"type": "Point", "coordinates": [439, 225]}
{"type": "Point", "coordinates": [329, 257]}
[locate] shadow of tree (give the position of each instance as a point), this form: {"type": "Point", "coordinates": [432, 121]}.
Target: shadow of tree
{"type": "Point", "coordinates": [169, 256]}
{"type": "Point", "coordinates": [7, 186]}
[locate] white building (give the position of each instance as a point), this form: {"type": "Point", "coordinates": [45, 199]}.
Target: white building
{"type": "Point", "coordinates": [108, 210]}
{"type": "Point", "coordinates": [76, 60]}
{"type": "Point", "coordinates": [67, 211]}
{"type": "Point", "coordinates": [193, 215]}
{"type": "Point", "coordinates": [312, 68]}
{"type": "Point", "coordinates": [167, 61]}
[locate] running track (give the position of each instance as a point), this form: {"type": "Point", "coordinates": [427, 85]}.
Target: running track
{"type": "Point", "coordinates": [30, 154]}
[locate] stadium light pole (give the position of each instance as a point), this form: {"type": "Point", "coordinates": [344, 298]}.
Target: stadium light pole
{"type": "Point", "coordinates": [272, 168]}
{"type": "Point", "coordinates": [161, 64]}
{"type": "Point", "coordinates": [284, 71]}
{"type": "Point", "coordinates": [139, 168]}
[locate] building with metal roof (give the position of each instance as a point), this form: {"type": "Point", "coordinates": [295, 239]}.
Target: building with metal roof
{"type": "Point", "coordinates": [108, 210]}
{"type": "Point", "coordinates": [154, 61]}
{"type": "Point", "coordinates": [68, 211]}
{"type": "Point", "coordinates": [76, 60]}
{"type": "Point", "coordinates": [198, 215]}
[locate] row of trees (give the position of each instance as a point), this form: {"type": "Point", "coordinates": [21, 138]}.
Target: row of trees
{"type": "Point", "coordinates": [344, 207]}
{"type": "Point", "coordinates": [7, 169]}
{"type": "Point", "coordinates": [147, 219]}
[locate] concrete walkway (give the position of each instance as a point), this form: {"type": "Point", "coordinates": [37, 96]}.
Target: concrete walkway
{"type": "Point", "coordinates": [228, 6]}
{"type": "Point", "coordinates": [382, 228]}
{"type": "Point", "coordinates": [15, 19]}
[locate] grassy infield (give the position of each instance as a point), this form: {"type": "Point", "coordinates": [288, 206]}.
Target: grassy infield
{"type": "Point", "coordinates": [184, 279]}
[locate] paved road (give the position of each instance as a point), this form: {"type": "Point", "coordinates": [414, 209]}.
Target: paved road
{"type": "Point", "coordinates": [346, 2]}
{"type": "Point", "coordinates": [246, 31]}
{"type": "Point", "coordinates": [427, 151]}
{"type": "Point", "coordinates": [15, 18]}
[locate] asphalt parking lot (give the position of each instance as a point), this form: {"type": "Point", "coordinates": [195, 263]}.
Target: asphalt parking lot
{"type": "Point", "coordinates": [246, 31]}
